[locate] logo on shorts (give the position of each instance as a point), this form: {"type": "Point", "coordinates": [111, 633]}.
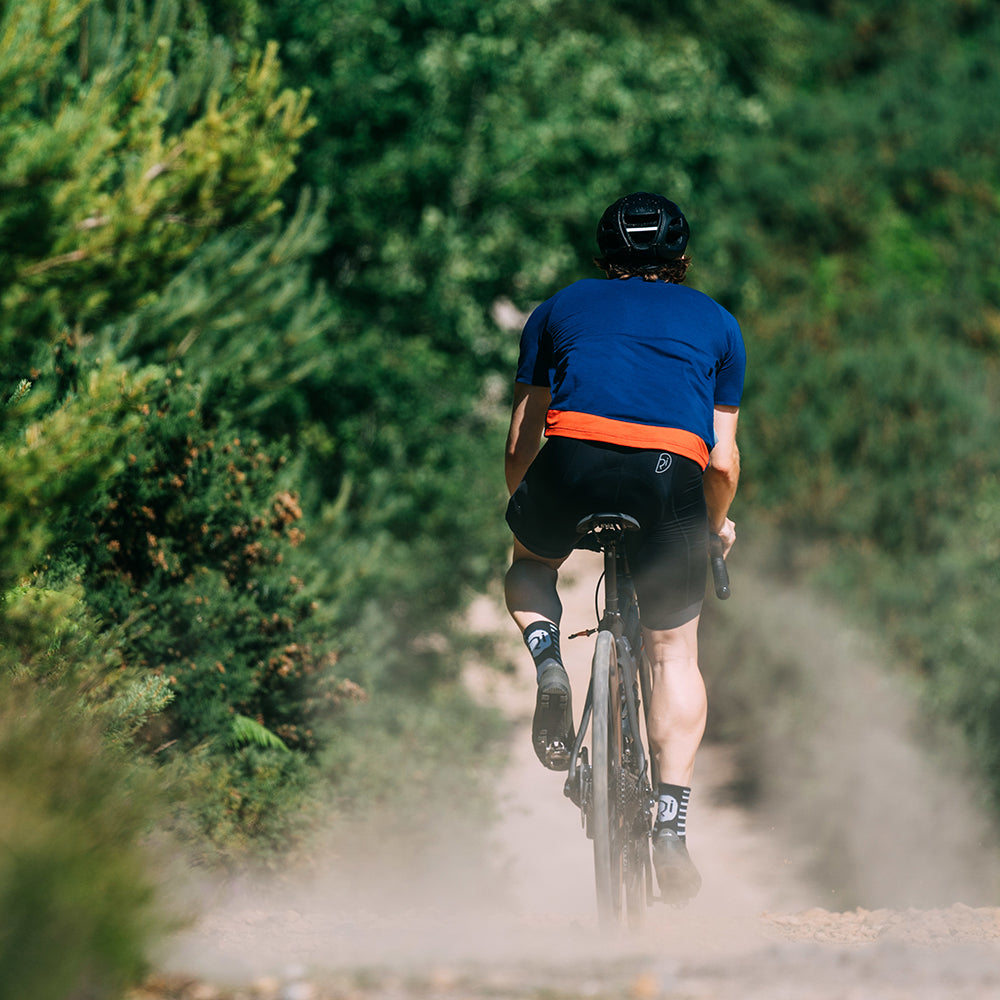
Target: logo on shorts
{"type": "Point", "coordinates": [664, 462]}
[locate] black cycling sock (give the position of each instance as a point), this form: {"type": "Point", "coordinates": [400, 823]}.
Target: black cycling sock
{"type": "Point", "coordinates": [672, 807]}
{"type": "Point", "coordinates": [542, 640]}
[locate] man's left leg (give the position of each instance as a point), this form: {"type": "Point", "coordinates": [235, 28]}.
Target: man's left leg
{"type": "Point", "coordinates": [533, 603]}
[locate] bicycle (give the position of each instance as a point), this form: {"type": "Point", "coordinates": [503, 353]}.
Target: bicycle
{"type": "Point", "coordinates": [614, 790]}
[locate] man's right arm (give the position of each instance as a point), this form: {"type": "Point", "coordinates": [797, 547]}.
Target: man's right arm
{"type": "Point", "coordinates": [527, 422]}
{"type": "Point", "coordinates": [723, 475]}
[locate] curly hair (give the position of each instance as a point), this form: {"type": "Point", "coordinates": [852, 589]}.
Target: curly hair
{"type": "Point", "coordinates": [674, 271]}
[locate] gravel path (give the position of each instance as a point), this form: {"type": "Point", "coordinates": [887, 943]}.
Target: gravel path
{"type": "Point", "coordinates": [514, 917]}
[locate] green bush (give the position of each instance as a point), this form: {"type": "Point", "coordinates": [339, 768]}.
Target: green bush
{"type": "Point", "coordinates": [74, 884]}
{"type": "Point", "coordinates": [419, 771]}
{"type": "Point", "coordinates": [249, 804]}
{"type": "Point", "coordinates": [186, 545]}
{"type": "Point", "coordinates": [182, 558]}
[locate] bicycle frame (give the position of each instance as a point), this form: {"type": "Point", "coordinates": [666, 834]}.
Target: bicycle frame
{"type": "Point", "coordinates": [614, 791]}
{"type": "Point", "coordinates": [629, 775]}
{"type": "Point", "coordinates": [624, 626]}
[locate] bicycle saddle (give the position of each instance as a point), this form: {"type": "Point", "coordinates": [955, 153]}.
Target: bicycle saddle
{"type": "Point", "coordinates": [603, 522]}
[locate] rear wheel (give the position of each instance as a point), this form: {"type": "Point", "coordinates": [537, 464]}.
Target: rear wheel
{"type": "Point", "coordinates": [636, 862]}
{"type": "Point", "coordinates": [634, 798]}
{"type": "Point", "coordinates": [606, 813]}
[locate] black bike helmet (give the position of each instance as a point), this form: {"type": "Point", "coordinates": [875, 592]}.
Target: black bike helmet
{"type": "Point", "coordinates": [642, 228]}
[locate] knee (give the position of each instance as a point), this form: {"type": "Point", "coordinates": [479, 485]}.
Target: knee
{"type": "Point", "coordinates": [530, 591]}
{"type": "Point", "coordinates": [530, 572]}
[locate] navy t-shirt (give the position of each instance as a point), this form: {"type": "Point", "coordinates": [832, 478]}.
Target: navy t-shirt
{"type": "Point", "coordinates": [633, 362]}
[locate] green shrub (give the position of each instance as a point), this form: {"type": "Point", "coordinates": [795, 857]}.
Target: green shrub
{"type": "Point", "coordinates": [426, 758]}
{"type": "Point", "coordinates": [185, 548]}
{"type": "Point", "coordinates": [74, 885]}
{"type": "Point", "coordinates": [182, 557]}
{"type": "Point", "coordinates": [246, 805]}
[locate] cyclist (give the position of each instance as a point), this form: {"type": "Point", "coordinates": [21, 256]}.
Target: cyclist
{"type": "Point", "coordinates": [636, 384]}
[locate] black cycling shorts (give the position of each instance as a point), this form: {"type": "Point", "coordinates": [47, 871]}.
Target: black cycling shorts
{"type": "Point", "coordinates": [668, 556]}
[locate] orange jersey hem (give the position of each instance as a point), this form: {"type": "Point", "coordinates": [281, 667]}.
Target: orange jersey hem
{"type": "Point", "coordinates": [587, 427]}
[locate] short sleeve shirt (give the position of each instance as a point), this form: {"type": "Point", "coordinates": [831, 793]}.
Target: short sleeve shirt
{"type": "Point", "coordinates": [635, 363]}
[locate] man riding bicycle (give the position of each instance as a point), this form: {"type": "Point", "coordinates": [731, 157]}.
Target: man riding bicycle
{"type": "Point", "coordinates": [636, 383]}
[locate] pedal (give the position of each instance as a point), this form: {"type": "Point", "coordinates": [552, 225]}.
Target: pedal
{"type": "Point", "coordinates": [557, 756]}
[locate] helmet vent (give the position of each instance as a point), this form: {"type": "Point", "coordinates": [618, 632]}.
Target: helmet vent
{"type": "Point", "coordinates": [645, 223]}
{"type": "Point", "coordinates": [642, 229]}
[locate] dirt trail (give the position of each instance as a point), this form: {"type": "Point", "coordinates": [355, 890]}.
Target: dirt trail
{"type": "Point", "coordinates": [515, 917]}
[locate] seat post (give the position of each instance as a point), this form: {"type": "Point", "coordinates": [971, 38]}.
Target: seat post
{"type": "Point", "coordinates": [609, 532]}
{"type": "Point", "coordinates": [611, 579]}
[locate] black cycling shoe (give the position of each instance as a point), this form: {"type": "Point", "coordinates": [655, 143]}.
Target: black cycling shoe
{"type": "Point", "coordinates": [552, 733]}
{"type": "Point", "coordinates": [675, 871]}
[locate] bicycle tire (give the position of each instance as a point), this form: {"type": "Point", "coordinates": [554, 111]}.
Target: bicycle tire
{"type": "Point", "coordinates": [634, 801]}
{"type": "Point", "coordinates": [606, 814]}
{"type": "Point", "coordinates": [635, 881]}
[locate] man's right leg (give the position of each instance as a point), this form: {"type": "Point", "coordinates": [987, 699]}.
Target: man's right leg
{"type": "Point", "coordinates": [675, 722]}
{"type": "Point", "coordinates": [533, 602]}
{"type": "Point", "coordinates": [678, 705]}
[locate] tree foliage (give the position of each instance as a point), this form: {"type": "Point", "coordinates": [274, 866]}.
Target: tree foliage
{"type": "Point", "coordinates": [186, 546]}
{"type": "Point", "coordinates": [872, 302]}
{"type": "Point", "coordinates": [106, 186]}
{"type": "Point", "coordinates": [261, 273]}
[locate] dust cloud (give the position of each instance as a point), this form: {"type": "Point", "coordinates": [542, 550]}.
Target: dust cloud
{"type": "Point", "coordinates": [519, 894]}
{"type": "Point", "coordinates": [879, 806]}
{"type": "Point", "coordinates": [858, 806]}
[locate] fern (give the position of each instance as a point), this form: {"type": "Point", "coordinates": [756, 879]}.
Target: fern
{"type": "Point", "coordinates": [249, 731]}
